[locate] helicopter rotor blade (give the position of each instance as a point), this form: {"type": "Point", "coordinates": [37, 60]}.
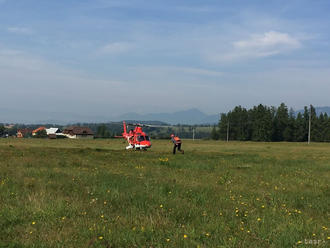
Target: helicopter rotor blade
{"type": "Point", "coordinates": [146, 125]}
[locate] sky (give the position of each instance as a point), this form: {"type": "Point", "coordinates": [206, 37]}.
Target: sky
{"type": "Point", "coordinates": [107, 57]}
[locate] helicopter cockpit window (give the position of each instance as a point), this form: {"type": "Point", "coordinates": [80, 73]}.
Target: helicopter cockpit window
{"type": "Point", "coordinates": [140, 138]}
{"type": "Point", "coordinates": [147, 138]}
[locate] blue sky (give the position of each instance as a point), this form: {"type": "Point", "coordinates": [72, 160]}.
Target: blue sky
{"type": "Point", "coordinates": [106, 57]}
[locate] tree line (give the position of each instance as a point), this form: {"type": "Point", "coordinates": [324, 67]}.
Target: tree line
{"type": "Point", "coordinates": [263, 123]}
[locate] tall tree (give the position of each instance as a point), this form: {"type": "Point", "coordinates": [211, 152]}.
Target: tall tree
{"type": "Point", "coordinates": [262, 123]}
{"type": "Point", "coordinates": [224, 123]}
{"type": "Point", "coordinates": [281, 122]}
{"type": "Point", "coordinates": [288, 134]}
{"type": "Point", "coordinates": [214, 133]}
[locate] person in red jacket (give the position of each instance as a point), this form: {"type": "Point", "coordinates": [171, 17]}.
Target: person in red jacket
{"type": "Point", "coordinates": [177, 143]}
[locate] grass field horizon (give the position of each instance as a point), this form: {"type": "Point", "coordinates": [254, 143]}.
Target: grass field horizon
{"type": "Point", "coordinates": [94, 193]}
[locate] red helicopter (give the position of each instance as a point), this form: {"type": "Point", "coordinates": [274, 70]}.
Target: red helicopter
{"type": "Point", "coordinates": [136, 138]}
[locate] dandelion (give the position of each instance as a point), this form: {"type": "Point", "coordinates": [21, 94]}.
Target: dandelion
{"type": "Point", "coordinates": [105, 203]}
{"type": "Point", "coordinates": [220, 214]}
{"type": "Point", "coordinates": [314, 234]}
{"type": "Point", "coordinates": [299, 242]}
{"type": "Point", "coordinates": [328, 238]}
{"type": "Point", "coordinates": [324, 228]}
{"type": "Point", "coordinates": [31, 232]}
{"type": "Point", "coordinates": [161, 205]}
{"type": "Point", "coordinates": [185, 236]}
{"type": "Point", "coordinates": [133, 228]}
{"type": "Point", "coordinates": [102, 216]}
{"type": "Point", "coordinates": [258, 219]}
{"type": "Point", "coordinates": [168, 240]}
{"type": "Point", "coordinates": [33, 222]}
{"type": "Point", "coordinates": [248, 231]}
{"type": "Point", "coordinates": [207, 234]}
{"type": "Point", "coordinates": [263, 206]}
{"type": "Point", "coordinates": [63, 218]}
{"type": "Point", "coordinates": [100, 237]}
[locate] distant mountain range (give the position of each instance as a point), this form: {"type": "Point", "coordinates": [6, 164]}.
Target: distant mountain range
{"type": "Point", "coordinates": [190, 117]}
{"type": "Point", "coordinates": [318, 110]}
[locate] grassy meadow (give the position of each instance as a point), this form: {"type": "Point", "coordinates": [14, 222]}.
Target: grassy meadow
{"type": "Point", "coordinates": [76, 193]}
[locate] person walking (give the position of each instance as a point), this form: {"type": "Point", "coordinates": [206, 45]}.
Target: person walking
{"type": "Point", "coordinates": [177, 143]}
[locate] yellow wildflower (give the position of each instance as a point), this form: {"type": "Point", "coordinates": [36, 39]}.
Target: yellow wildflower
{"type": "Point", "coordinates": [33, 222]}
{"type": "Point", "coordinates": [185, 236]}
{"type": "Point", "coordinates": [258, 219]}
{"type": "Point", "coordinates": [100, 237]}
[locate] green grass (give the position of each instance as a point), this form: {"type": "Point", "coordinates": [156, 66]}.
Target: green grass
{"type": "Point", "coordinates": [71, 193]}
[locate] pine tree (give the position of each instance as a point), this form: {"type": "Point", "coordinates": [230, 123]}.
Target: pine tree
{"type": "Point", "coordinates": [281, 121]}
{"type": "Point", "coordinates": [214, 133]}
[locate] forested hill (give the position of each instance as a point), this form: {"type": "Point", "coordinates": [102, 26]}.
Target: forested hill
{"type": "Point", "coordinates": [263, 123]}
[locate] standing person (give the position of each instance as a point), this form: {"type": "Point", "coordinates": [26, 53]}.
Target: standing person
{"type": "Point", "coordinates": [177, 143]}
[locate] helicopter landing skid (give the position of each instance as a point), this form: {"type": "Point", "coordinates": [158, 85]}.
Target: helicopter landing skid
{"type": "Point", "coordinates": [129, 147]}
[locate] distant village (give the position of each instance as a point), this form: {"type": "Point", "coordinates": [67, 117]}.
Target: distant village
{"type": "Point", "coordinates": [72, 132]}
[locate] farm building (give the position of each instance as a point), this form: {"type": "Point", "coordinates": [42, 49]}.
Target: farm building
{"type": "Point", "coordinates": [76, 132]}
{"type": "Point", "coordinates": [21, 133]}
{"type": "Point", "coordinates": [54, 133]}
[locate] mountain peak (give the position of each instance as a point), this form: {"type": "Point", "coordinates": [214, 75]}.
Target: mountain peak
{"type": "Point", "coordinates": [189, 116]}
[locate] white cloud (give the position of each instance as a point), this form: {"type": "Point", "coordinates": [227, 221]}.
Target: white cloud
{"type": "Point", "coordinates": [20, 30]}
{"type": "Point", "coordinates": [258, 46]}
{"type": "Point", "coordinates": [267, 41]}
{"type": "Point", "coordinates": [117, 47]}
{"type": "Point", "coordinates": [175, 71]}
